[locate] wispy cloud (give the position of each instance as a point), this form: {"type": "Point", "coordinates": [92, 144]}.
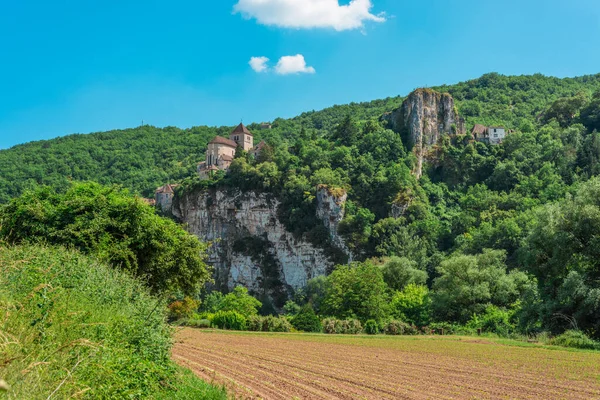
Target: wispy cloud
{"type": "Point", "coordinates": [306, 14]}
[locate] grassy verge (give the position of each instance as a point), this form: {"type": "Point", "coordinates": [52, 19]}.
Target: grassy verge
{"type": "Point", "coordinates": [71, 327]}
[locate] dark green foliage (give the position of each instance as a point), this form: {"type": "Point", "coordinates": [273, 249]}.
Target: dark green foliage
{"type": "Point", "coordinates": [229, 320]}
{"type": "Point", "coordinates": [90, 319]}
{"type": "Point", "coordinates": [575, 339]}
{"type": "Point", "coordinates": [306, 320]}
{"type": "Point", "coordinates": [117, 228]}
{"type": "Point", "coordinates": [400, 272]}
{"type": "Point", "coordinates": [371, 327]}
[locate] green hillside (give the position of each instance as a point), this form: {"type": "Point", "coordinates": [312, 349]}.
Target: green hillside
{"type": "Point", "coordinates": [143, 158]}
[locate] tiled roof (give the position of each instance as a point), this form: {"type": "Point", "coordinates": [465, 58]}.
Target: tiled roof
{"type": "Point", "coordinates": [241, 128]}
{"type": "Point", "coordinates": [222, 140]}
{"type": "Point", "coordinates": [479, 129]}
{"type": "Point", "coordinates": [226, 157]}
{"type": "Point", "coordinates": [166, 189]}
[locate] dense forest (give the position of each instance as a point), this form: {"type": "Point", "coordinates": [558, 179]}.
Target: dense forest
{"type": "Point", "coordinates": [505, 235]}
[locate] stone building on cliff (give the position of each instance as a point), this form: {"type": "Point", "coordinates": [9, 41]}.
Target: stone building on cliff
{"type": "Point", "coordinates": [221, 151]}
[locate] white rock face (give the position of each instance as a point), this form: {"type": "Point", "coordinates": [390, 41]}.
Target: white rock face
{"type": "Point", "coordinates": [226, 217]}
{"type": "Point", "coordinates": [330, 210]}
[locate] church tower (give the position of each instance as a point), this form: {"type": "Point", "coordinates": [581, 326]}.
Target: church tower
{"type": "Point", "coordinates": [242, 136]}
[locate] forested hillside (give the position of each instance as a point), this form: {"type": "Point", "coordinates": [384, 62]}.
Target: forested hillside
{"type": "Point", "coordinates": [507, 234]}
{"type": "Point", "coordinates": [143, 158]}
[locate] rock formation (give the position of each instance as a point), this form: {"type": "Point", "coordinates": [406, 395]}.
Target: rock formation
{"type": "Point", "coordinates": [251, 247]}
{"type": "Point", "coordinates": [424, 117]}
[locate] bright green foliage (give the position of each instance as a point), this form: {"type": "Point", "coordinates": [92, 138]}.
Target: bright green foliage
{"type": "Point", "coordinates": [468, 284]}
{"type": "Point", "coordinates": [371, 327]}
{"type": "Point", "coordinates": [412, 304]}
{"type": "Point", "coordinates": [400, 272]}
{"type": "Point", "coordinates": [75, 325]}
{"type": "Point", "coordinates": [230, 320]}
{"type": "Point", "coordinates": [241, 302]}
{"type": "Point", "coordinates": [575, 339]}
{"type": "Point", "coordinates": [306, 320]}
{"type": "Point", "coordinates": [117, 228]}
{"type": "Point", "coordinates": [356, 291]}
{"type": "Point", "coordinates": [494, 320]}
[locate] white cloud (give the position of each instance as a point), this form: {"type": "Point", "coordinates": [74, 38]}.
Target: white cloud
{"type": "Point", "coordinates": [293, 65]}
{"type": "Point", "coordinates": [259, 64]}
{"type": "Point", "coordinates": [309, 13]}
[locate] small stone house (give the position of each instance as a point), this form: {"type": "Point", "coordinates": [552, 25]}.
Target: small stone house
{"type": "Point", "coordinates": [163, 197]}
{"type": "Point", "coordinates": [489, 134]}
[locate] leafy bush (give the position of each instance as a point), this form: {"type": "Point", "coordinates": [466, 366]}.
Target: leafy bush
{"type": "Point", "coordinates": [575, 339]}
{"type": "Point", "coordinates": [395, 327]}
{"type": "Point", "coordinates": [198, 323]}
{"type": "Point", "coordinates": [114, 226]}
{"type": "Point", "coordinates": [494, 320]}
{"type": "Point", "coordinates": [99, 324]}
{"type": "Point", "coordinates": [412, 304]}
{"type": "Point", "coordinates": [346, 327]}
{"type": "Point", "coordinates": [268, 324]}
{"type": "Point", "coordinates": [183, 308]}
{"type": "Point", "coordinates": [230, 320]}
{"type": "Point", "coordinates": [306, 320]}
{"type": "Point", "coordinates": [238, 300]}
{"type": "Point", "coordinates": [371, 327]}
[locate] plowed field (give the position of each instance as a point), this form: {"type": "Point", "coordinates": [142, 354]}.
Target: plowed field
{"type": "Point", "coordinates": [297, 366]}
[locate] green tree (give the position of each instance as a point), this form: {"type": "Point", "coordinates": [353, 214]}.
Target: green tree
{"type": "Point", "coordinates": [399, 272]}
{"type": "Point", "coordinates": [241, 302]}
{"type": "Point", "coordinates": [357, 291]}
{"type": "Point", "coordinates": [111, 224]}
{"type": "Point", "coordinates": [412, 304]}
{"type": "Point", "coordinates": [468, 284]}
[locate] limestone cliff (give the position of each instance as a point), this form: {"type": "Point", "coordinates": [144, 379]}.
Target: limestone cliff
{"type": "Point", "coordinates": [251, 247]}
{"type": "Point", "coordinates": [424, 117]}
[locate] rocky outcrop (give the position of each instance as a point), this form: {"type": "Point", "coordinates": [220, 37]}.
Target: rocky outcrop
{"type": "Point", "coordinates": [250, 246]}
{"type": "Point", "coordinates": [330, 210]}
{"type": "Point", "coordinates": [424, 117]}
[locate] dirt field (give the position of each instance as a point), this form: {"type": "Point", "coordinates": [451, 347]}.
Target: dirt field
{"type": "Point", "coordinates": [295, 366]}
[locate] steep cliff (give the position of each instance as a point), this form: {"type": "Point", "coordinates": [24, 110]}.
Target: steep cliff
{"type": "Point", "coordinates": [251, 247]}
{"type": "Point", "coordinates": [423, 118]}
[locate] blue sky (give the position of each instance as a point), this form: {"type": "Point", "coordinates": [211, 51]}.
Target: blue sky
{"type": "Point", "coordinates": [72, 66]}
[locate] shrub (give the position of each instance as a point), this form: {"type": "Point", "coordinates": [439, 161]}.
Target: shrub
{"type": "Point", "coordinates": [371, 327]}
{"type": "Point", "coordinates": [239, 301]}
{"type": "Point", "coordinates": [183, 308]}
{"type": "Point", "coordinates": [494, 320]}
{"type": "Point", "coordinates": [198, 323]}
{"type": "Point", "coordinates": [575, 339]}
{"type": "Point", "coordinates": [306, 320]}
{"type": "Point", "coordinates": [268, 324]}
{"type": "Point", "coordinates": [396, 327]}
{"type": "Point", "coordinates": [346, 327]}
{"type": "Point", "coordinates": [230, 320]}
{"type": "Point", "coordinates": [412, 304]}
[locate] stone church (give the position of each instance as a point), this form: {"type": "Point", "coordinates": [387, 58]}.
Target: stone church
{"type": "Point", "coordinates": [221, 151]}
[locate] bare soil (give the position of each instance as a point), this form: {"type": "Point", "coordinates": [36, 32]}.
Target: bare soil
{"type": "Point", "coordinates": [294, 366]}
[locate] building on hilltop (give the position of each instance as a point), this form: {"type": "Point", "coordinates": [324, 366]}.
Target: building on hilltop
{"type": "Point", "coordinates": [163, 197]}
{"type": "Point", "coordinates": [489, 134]}
{"type": "Point", "coordinates": [221, 151]}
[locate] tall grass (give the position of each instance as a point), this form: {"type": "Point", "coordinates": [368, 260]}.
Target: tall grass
{"type": "Point", "coordinates": [71, 327]}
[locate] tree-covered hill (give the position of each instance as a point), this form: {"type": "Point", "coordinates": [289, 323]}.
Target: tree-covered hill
{"type": "Point", "coordinates": [145, 157]}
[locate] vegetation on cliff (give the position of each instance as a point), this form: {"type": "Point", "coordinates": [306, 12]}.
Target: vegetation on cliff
{"type": "Point", "coordinates": [480, 212]}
